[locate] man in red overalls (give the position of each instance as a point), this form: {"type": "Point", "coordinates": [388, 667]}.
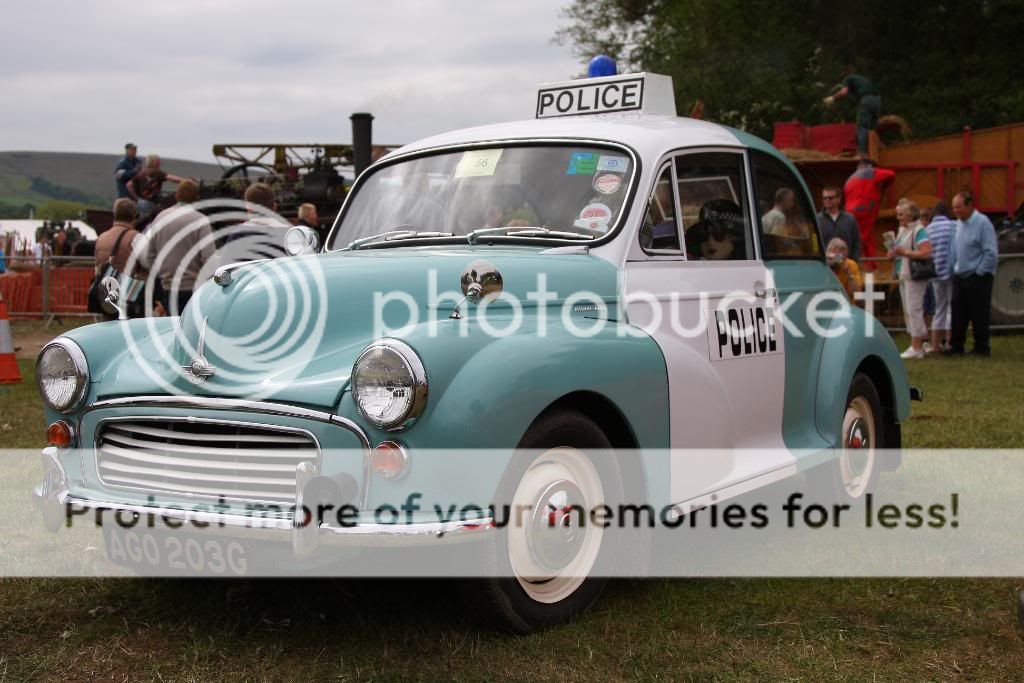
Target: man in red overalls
{"type": "Point", "coordinates": [863, 193]}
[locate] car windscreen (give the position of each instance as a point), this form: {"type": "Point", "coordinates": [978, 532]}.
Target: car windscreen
{"type": "Point", "coordinates": [567, 190]}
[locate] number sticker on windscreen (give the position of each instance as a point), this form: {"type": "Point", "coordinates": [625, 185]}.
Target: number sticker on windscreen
{"type": "Point", "coordinates": [478, 162]}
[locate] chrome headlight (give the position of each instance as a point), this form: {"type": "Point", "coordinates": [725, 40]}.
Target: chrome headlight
{"type": "Point", "coordinates": [301, 240]}
{"type": "Point", "coordinates": [389, 384]}
{"type": "Point", "coordinates": [62, 374]}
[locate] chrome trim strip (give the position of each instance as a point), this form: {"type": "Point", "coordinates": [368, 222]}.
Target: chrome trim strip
{"type": "Point", "coordinates": [367, 534]}
{"type": "Point", "coordinates": [243, 405]}
{"type": "Point", "coordinates": [755, 223]}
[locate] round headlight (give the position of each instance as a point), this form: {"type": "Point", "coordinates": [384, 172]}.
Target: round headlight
{"type": "Point", "coordinates": [389, 384]}
{"type": "Point", "coordinates": [301, 240]}
{"type": "Point", "coordinates": [62, 374]}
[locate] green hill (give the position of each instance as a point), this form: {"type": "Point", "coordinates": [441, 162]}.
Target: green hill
{"type": "Point", "coordinates": [35, 178]}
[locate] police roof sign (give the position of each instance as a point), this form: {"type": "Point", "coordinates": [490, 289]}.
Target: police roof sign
{"type": "Point", "coordinates": [643, 93]}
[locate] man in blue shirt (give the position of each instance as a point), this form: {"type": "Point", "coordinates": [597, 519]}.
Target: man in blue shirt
{"type": "Point", "coordinates": [126, 169]}
{"type": "Point", "coordinates": [972, 262]}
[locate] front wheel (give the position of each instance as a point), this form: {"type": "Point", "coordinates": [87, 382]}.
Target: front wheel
{"type": "Point", "coordinates": [551, 559]}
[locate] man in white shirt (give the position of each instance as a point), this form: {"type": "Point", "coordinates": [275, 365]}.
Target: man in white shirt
{"type": "Point", "coordinates": [41, 249]}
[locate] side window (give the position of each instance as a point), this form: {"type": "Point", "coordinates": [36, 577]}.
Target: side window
{"type": "Point", "coordinates": [660, 231]}
{"type": "Point", "coordinates": [788, 227]}
{"type": "Point", "coordinates": [713, 202]}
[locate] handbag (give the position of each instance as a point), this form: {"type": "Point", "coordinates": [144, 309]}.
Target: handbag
{"type": "Point", "coordinates": [131, 287]}
{"type": "Point", "coordinates": [922, 269]}
{"type": "Point", "coordinates": [96, 295]}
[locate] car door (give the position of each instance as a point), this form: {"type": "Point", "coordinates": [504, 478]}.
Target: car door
{"type": "Point", "coordinates": [791, 249]}
{"type": "Point", "coordinates": [708, 301]}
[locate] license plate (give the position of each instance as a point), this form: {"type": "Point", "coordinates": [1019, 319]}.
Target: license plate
{"type": "Point", "coordinates": [176, 554]}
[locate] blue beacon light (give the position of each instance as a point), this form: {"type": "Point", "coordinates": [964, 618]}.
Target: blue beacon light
{"type": "Point", "coordinates": [601, 65]}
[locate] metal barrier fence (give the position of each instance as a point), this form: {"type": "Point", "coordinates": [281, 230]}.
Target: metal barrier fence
{"type": "Point", "coordinates": [56, 286]}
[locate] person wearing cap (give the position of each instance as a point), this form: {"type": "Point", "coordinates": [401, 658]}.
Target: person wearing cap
{"type": "Point", "coordinates": [717, 234]}
{"type": "Point", "coordinates": [126, 169]}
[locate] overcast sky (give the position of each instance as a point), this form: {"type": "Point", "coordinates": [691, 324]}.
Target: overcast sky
{"type": "Point", "coordinates": [176, 77]}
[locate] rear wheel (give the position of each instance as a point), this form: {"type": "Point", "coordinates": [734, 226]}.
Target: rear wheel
{"type": "Point", "coordinates": [550, 560]}
{"type": "Point", "coordinates": [854, 473]}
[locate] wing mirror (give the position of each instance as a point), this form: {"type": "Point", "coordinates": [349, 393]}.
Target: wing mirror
{"type": "Point", "coordinates": [112, 301]}
{"type": "Point", "coordinates": [301, 240]}
{"type": "Point", "coordinates": [480, 281]}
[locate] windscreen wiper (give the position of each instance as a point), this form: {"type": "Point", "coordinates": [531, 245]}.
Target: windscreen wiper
{"type": "Point", "coordinates": [417, 235]}
{"type": "Point", "coordinates": [396, 235]}
{"type": "Point", "coordinates": [514, 231]}
{"type": "Point", "coordinates": [355, 244]}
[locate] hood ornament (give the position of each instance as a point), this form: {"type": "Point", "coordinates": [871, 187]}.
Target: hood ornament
{"type": "Point", "coordinates": [199, 369]}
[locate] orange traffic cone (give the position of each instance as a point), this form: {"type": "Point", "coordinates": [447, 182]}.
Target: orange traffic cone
{"type": "Point", "coordinates": [9, 373]}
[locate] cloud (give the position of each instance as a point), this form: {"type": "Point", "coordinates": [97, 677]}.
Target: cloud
{"type": "Point", "coordinates": [179, 77]}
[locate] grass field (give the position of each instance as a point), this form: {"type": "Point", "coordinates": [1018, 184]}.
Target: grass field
{"type": "Point", "coordinates": [653, 630]}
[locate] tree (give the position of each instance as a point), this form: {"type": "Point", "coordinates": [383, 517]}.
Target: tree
{"type": "Point", "coordinates": [940, 65]}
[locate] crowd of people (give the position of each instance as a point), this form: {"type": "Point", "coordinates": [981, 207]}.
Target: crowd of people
{"type": "Point", "coordinates": [943, 265]}
{"type": "Point", "coordinates": [179, 242]}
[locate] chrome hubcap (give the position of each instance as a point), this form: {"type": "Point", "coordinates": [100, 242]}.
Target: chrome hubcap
{"type": "Point", "coordinates": [858, 457]}
{"type": "Point", "coordinates": [553, 549]}
{"type": "Point", "coordinates": [556, 533]}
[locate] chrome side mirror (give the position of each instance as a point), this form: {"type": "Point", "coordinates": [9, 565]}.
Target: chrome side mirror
{"type": "Point", "coordinates": [112, 301]}
{"type": "Point", "coordinates": [301, 240]}
{"type": "Point", "coordinates": [481, 281]}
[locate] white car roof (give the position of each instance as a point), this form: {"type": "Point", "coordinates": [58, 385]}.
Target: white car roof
{"type": "Point", "coordinates": [650, 135]}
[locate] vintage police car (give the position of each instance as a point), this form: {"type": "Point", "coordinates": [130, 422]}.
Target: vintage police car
{"type": "Point", "coordinates": [653, 285]}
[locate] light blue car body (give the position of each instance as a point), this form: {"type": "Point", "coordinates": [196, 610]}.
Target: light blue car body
{"type": "Point", "coordinates": [484, 392]}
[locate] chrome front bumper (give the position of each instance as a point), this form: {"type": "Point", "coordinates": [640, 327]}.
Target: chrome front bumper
{"type": "Point", "coordinates": [57, 505]}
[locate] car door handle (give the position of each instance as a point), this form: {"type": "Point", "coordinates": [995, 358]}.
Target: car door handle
{"type": "Point", "coordinates": [765, 293]}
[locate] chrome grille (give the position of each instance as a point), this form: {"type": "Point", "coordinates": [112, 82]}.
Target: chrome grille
{"type": "Point", "coordinates": [205, 459]}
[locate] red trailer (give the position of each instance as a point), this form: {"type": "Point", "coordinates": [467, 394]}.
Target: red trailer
{"type": "Point", "coordinates": [986, 162]}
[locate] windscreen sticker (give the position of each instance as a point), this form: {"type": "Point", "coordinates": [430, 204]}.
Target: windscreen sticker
{"type": "Point", "coordinates": [613, 163]}
{"type": "Point", "coordinates": [478, 162]}
{"type": "Point", "coordinates": [594, 217]}
{"type": "Point", "coordinates": [582, 163]}
{"type": "Point", "coordinates": [607, 183]}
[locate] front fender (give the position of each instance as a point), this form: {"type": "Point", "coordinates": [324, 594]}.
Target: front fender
{"type": "Point", "coordinates": [865, 342]}
{"type": "Point", "coordinates": [110, 349]}
{"type": "Point", "coordinates": [485, 391]}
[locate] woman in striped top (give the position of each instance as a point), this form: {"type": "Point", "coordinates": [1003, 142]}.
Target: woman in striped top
{"type": "Point", "coordinates": [940, 234]}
